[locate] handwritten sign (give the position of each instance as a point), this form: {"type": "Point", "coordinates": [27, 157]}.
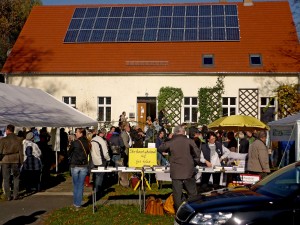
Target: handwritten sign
{"type": "Point", "coordinates": [139, 157]}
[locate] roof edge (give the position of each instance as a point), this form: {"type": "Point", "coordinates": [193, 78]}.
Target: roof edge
{"type": "Point", "coordinates": [153, 73]}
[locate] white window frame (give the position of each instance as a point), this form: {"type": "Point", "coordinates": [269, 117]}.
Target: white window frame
{"type": "Point", "coordinates": [190, 106]}
{"type": "Point", "coordinates": [105, 105]}
{"type": "Point", "coordinates": [68, 100]}
{"type": "Point", "coordinates": [229, 106]}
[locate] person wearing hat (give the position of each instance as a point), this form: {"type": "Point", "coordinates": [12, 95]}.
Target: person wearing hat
{"type": "Point", "coordinates": [28, 141]}
{"type": "Point", "coordinates": [32, 166]}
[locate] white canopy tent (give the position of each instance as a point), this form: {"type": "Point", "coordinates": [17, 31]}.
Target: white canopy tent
{"type": "Point", "coordinates": [287, 129]}
{"type": "Point", "coordinates": [30, 107]}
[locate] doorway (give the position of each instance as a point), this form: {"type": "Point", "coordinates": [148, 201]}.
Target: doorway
{"type": "Point", "coordinates": [146, 106]}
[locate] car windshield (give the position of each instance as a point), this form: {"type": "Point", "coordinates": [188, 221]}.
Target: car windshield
{"type": "Point", "coordinates": [282, 183]}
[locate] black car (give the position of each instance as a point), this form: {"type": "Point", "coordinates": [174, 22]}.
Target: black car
{"type": "Point", "coordinates": [273, 200]}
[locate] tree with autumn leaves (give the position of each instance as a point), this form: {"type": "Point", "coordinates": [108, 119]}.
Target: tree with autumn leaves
{"type": "Point", "coordinates": [288, 98]}
{"type": "Point", "coordinates": [13, 15]}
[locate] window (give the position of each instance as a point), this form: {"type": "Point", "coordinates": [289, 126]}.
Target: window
{"type": "Point", "coordinates": [190, 109]}
{"type": "Point", "coordinates": [70, 100]}
{"type": "Point", "coordinates": [207, 60]}
{"type": "Point", "coordinates": [267, 109]}
{"type": "Point", "coordinates": [255, 60]}
{"type": "Point", "coordinates": [229, 106]}
{"type": "Point", "coordinates": [104, 108]}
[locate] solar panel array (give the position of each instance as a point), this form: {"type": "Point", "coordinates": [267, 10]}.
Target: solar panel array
{"type": "Point", "coordinates": [154, 24]}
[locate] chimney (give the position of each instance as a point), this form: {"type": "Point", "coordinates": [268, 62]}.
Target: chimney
{"type": "Point", "coordinates": [248, 3]}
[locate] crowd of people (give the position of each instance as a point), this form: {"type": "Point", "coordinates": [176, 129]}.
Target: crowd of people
{"type": "Point", "coordinates": [27, 159]}
{"type": "Point", "coordinates": [182, 149]}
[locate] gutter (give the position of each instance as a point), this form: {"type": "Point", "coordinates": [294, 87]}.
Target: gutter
{"type": "Point", "coordinates": [156, 74]}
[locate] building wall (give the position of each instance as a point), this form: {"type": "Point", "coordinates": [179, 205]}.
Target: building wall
{"type": "Point", "coordinates": [125, 89]}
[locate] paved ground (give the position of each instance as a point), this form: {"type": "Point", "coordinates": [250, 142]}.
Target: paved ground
{"type": "Point", "coordinates": [32, 209]}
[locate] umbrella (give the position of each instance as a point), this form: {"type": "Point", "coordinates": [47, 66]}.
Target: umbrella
{"type": "Point", "coordinates": [238, 123]}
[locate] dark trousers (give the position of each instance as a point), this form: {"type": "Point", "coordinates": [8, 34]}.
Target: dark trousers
{"type": "Point", "coordinates": [206, 176]}
{"type": "Point", "coordinates": [31, 179]}
{"type": "Point", "coordinates": [7, 170]}
{"type": "Point", "coordinates": [177, 185]}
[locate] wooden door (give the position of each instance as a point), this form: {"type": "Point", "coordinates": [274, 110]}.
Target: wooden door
{"type": "Point", "coordinates": [141, 112]}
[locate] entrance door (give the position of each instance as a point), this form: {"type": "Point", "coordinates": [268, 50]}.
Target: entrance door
{"type": "Point", "coordinates": [141, 108]}
{"type": "Point", "coordinates": [146, 106]}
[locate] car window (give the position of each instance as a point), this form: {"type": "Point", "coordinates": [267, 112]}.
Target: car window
{"type": "Point", "coordinates": [282, 183]}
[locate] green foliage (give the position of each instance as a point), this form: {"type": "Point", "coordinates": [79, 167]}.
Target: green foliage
{"type": "Point", "coordinates": [13, 15]}
{"type": "Point", "coordinates": [170, 100]}
{"type": "Point", "coordinates": [210, 102]}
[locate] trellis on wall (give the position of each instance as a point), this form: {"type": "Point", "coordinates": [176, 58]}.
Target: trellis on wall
{"type": "Point", "coordinates": [248, 102]}
{"type": "Point", "coordinates": [170, 100]}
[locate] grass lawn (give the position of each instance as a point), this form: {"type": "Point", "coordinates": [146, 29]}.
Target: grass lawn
{"type": "Point", "coordinates": [106, 215]}
{"type": "Point", "coordinates": [115, 213]}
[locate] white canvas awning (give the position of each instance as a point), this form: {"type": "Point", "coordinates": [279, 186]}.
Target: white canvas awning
{"type": "Point", "coordinates": [287, 129]}
{"type": "Point", "coordinates": [30, 107]}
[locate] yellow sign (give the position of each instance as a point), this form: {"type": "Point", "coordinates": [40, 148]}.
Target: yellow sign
{"type": "Point", "coordinates": [139, 157]}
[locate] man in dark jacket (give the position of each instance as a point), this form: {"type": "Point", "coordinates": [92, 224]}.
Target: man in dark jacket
{"type": "Point", "coordinates": [11, 147]}
{"type": "Point", "coordinates": [184, 154]}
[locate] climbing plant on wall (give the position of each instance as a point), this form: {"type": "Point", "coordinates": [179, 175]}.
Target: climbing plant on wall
{"type": "Point", "coordinates": [288, 99]}
{"type": "Point", "coordinates": [210, 102]}
{"type": "Point", "coordinates": [170, 100]}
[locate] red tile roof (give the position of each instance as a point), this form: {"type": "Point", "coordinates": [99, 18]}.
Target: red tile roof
{"type": "Point", "coordinates": [265, 28]}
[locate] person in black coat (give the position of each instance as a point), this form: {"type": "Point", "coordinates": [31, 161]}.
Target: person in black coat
{"type": "Point", "coordinates": [244, 143]}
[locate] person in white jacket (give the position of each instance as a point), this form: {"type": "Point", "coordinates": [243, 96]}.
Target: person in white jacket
{"type": "Point", "coordinates": [28, 141]}
{"type": "Point", "coordinates": [100, 156]}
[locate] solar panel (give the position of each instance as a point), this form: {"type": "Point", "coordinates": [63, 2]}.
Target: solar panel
{"type": "Point", "coordinates": [75, 24]}
{"type": "Point", "coordinates": [205, 10]}
{"type": "Point", "coordinates": [79, 13]}
{"type": "Point", "coordinates": [88, 23]}
{"type": "Point", "coordinates": [91, 13]}
{"type": "Point", "coordinates": [97, 35]}
{"type": "Point", "coordinates": [163, 34]}
{"type": "Point", "coordinates": [123, 35]}
{"type": "Point", "coordinates": [177, 34]}
{"type": "Point", "coordinates": [179, 11]}
{"type": "Point", "coordinates": [166, 11]}
{"type": "Point", "coordinates": [84, 35]}
{"type": "Point", "coordinates": [165, 22]}
{"type": "Point", "coordinates": [128, 11]}
{"type": "Point", "coordinates": [178, 22]}
{"type": "Point", "coordinates": [154, 24]}
{"type": "Point", "coordinates": [153, 11]}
